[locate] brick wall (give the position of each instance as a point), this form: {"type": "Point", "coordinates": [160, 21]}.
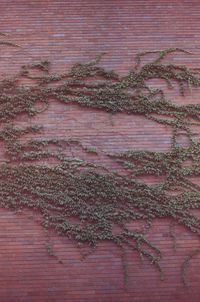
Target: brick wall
{"type": "Point", "coordinates": [65, 32]}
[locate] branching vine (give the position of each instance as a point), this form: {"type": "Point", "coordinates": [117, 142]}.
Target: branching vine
{"type": "Point", "coordinates": [84, 201]}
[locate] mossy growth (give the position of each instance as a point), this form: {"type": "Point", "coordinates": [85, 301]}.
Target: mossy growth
{"type": "Point", "coordinates": [98, 198]}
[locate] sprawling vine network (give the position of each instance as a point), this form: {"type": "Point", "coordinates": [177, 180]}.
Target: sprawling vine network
{"type": "Point", "coordinates": [97, 197]}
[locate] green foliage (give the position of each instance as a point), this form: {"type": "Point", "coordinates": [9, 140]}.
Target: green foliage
{"type": "Point", "coordinates": [83, 201]}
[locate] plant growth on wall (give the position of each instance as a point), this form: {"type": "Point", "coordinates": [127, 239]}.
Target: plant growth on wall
{"type": "Point", "coordinates": [85, 201]}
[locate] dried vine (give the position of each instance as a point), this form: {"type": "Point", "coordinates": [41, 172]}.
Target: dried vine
{"type": "Point", "coordinates": [84, 201]}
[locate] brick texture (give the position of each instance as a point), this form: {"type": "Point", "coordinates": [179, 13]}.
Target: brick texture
{"type": "Point", "coordinates": [64, 32]}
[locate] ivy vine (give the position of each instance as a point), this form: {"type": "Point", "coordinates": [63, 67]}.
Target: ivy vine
{"type": "Point", "coordinates": [84, 201]}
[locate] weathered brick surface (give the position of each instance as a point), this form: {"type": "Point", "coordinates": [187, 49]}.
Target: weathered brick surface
{"type": "Point", "coordinates": [65, 32]}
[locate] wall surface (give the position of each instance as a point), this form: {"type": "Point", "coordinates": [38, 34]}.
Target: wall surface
{"type": "Point", "coordinates": [65, 32]}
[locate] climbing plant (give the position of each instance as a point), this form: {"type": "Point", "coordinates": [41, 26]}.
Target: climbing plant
{"type": "Point", "coordinates": [85, 201]}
